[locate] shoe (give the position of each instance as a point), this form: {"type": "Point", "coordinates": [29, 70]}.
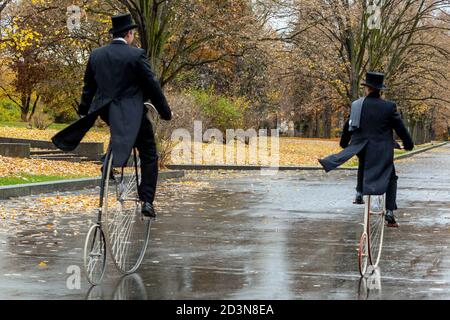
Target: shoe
{"type": "Point", "coordinates": [390, 219]}
{"type": "Point", "coordinates": [148, 210]}
{"type": "Point", "coordinates": [359, 199]}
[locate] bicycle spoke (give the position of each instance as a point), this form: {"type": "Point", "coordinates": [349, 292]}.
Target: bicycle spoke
{"type": "Point", "coordinates": [126, 246]}
{"type": "Point", "coordinates": [122, 238]}
{"type": "Point", "coordinates": [123, 242]}
{"type": "Point", "coordinates": [126, 232]}
{"type": "Point", "coordinates": [130, 189]}
{"type": "Point", "coordinates": [118, 233]}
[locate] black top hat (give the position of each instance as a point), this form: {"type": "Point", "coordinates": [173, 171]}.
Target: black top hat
{"type": "Point", "coordinates": [375, 80]}
{"type": "Point", "coordinates": [122, 23]}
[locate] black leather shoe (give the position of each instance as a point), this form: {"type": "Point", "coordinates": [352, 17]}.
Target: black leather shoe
{"type": "Point", "coordinates": [359, 199]}
{"type": "Point", "coordinates": [148, 210]}
{"type": "Point", "coordinates": [390, 219]}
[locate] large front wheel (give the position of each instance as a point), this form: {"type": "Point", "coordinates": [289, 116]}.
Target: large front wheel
{"type": "Point", "coordinates": [127, 230]}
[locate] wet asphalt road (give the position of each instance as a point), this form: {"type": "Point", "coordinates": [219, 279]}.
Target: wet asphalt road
{"type": "Point", "coordinates": [293, 235]}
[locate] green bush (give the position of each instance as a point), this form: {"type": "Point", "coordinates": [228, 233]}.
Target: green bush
{"type": "Point", "coordinates": [9, 111]}
{"type": "Point", "coordinates": [65, 116]}
{"type": "Point", "coordinates": [41, 120]}
{"type": "Point", "coordinates": [222, 112]}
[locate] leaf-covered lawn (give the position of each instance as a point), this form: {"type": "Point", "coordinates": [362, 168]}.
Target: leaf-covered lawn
{"type": "Point", "coordinates": [292, 152]}
{"type": "Point", "coordinates": [15, 130]}
{"type": "Point", "coordinates": [17, 170]}
{"type": "Point", "coordinates": [21, 124]}
{"type": "Point", "coordinates": [25, 179]}
{"type": "Point", "coordinates": [21, 171]}
{"type": "Point", "coordinates": [296, 151]}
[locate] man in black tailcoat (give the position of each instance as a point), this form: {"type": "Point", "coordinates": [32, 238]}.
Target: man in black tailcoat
{"type": "Point", "coordinates": [369, 134]}
{"type": "Point", "coordinates": [117, 82]}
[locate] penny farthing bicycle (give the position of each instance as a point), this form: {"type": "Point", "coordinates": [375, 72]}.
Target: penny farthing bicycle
{"type": "Point", "coordinates": [120, 228]}
{"type": "Point", "coordinates": [371, 243]}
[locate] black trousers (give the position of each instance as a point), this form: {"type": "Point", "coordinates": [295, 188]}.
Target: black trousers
{"type": "Point", "coordinates": [391, 193]}
{"type": "Point", "coordinates": [146, 145]}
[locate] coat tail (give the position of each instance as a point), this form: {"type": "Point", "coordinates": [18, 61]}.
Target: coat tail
{"type": "Point", "coordinates": [68, 139]}
{"type": "Point", "coordinates": [336, 160]}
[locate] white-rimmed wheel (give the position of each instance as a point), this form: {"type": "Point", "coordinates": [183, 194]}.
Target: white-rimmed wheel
{"type": "Point", "coordinates": [375, 227]}
{"type": "Point", "coordinates": [127, 230]}
{"type": "Point", "coordinates": [363, 254]}
{"type": "Point", "coordinates": [95, 255]}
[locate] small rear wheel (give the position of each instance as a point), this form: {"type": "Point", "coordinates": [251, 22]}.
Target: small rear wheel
{"type": "Point", "coordinates": [363, 254]}
{"type": "Point", "coordinates": [95, 255]}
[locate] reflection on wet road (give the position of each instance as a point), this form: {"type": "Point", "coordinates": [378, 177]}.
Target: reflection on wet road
{"type": "Point", "coordinates": [247, 236]}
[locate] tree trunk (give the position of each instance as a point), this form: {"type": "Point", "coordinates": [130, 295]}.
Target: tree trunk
{"type": "Point", "coordinates": [34, 107]}
{"type": "Point", "coordinates": [24, 109]}
{"type": "Point", "coordinates": [327, 122]}
{"type": "Point", "coordinates": [25, 100]}
{"type": "Point", "coordinates": [316, 125]}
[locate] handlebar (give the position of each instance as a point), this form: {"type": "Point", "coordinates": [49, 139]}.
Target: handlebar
{"type": "Point", "coordinates": [151, 107]}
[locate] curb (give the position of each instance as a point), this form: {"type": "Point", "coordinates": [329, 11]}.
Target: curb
{"type": "Point", "coordinates": [413, 153]}
{"type": "Point", "coordinates": [24, 190]}
{"type": "Point", "coordinates": [193, 167]}
{"type": "Point", "coordinates": [249, 168]}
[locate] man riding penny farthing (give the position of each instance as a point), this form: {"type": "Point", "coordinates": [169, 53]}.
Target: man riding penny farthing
{"type": "Point", "coordinates": [369, 134]}
{"type": "Point", "coordinates": [118, 80]}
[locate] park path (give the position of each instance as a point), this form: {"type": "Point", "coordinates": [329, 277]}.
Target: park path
{"type": "Point", "coordinates": [232, 235]}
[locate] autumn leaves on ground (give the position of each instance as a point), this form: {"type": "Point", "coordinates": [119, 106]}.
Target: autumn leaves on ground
{"type": "Point", "coordinates": [22, 171]}
{"type": "Point", "coordinates": [293, 151]}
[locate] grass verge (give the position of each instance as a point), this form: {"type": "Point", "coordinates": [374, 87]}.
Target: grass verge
{"type": "Point", "coordinates": [25, 179]}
